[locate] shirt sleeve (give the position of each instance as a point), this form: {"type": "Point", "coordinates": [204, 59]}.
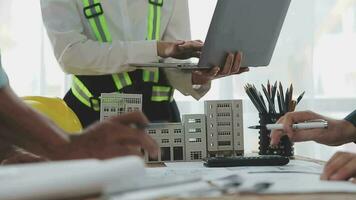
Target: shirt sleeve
{"type": "Point", "coordinates": [352, 118]}
{"type": "Point", "coordinates": [178, 28]}
{"type": "Point", "coordinates": [81, 55]}
{"type": "Point", "coordinates": [3, 78]}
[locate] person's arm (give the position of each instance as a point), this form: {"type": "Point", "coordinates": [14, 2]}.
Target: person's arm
{"type": "Point", "coordinates": [352, 118]}
{"type": "Point", "coordinates": [178, 28]}
{"type": "Point", "coordinates": [25, 127]}
{"type": "Point", "coordinates": [338, 132]}
{"type": "Point", "coordinates": [82, 55]}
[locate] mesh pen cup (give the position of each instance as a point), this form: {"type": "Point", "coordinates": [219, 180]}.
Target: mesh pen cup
{"type": "Point", "coordinates": [285, 146]}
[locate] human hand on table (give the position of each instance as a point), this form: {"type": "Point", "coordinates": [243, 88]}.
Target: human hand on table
{"type": "Point", "coordinates": [342, 166]}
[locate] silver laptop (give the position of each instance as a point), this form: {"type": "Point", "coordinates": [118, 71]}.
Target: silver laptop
{"type": "Point", "coordinates": [250, 26]}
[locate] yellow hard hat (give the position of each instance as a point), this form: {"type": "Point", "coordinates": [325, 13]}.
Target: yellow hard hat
{"type": "Point", "coordinates": [56, 110]}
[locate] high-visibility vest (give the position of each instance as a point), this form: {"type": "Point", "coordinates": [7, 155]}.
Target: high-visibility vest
{"type": "Point", "coordinates": [94, 12]}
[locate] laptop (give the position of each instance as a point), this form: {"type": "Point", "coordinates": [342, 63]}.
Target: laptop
{"type": "Point", "coordinates": [250, 26]}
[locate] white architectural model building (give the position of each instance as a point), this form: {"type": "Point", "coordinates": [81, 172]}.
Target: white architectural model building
{"type": "Point", "coordinates": [113, 104]}
{"type": "Point", "coordinates": [224, 128]}
{"type": "Point", "coordinates": [218, 132]}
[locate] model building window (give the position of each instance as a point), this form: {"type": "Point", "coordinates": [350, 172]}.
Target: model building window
{"type": "Point", "coordinates": [177, 140]}
{"type": "Point", "coordinates": [223, 114]}
{"type": "Point", "coordinates": [193, 140]}
{"type": "Point", "coordinates": [194, 130]}
{"type": "Point", "coordinates": [177, 130]}
{"type": "Point", "coordinates": [224, 124]}
{"type": "Point", "coordinates": [223, 105]}
{"type": "Point", "coordinates": [165, 153]}
{"type": "Point", "coordinates": [224, 133]}
{"type": "Point", "coordinates": [178, 153]}
{"type": "Point", "coordinates": [196, 155]}
{"type": "Point", "coordinates": [164, 131]}
{"type": "Point", "coordinates": [165, 140]}
{"type": "Point", "coordinates": [224, 143]}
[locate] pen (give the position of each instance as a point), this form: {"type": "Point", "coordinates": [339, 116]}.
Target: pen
{"type": "Point", "coordinates": [303, 125]}
{"type": "Point", "coordinates": [300, 97]}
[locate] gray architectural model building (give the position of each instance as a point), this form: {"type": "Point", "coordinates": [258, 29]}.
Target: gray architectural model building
{"type": "Point", "coordinates": [180, 141]}
{"type": "Point", "coordinates": [218, 132]}
{"type": "Point", "coordinates": [113, 104]}
{"type": "Point", "coordinates": [170, 138]}
{"type": "Point", "coordinates": [224, 128]}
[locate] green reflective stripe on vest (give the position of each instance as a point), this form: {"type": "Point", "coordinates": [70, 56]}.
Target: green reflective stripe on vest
{"type": "Point", "coordinates": [83, 94]}
{"type": "Point", "coordinates": [151, 76]}
{"type": "Point", "coordinates": [122, 80]}
{"type": "Point", "coordinates": [98, 24]}
{"type": "Point", "coordinates": [153, 33]}
{"type": "Point", "coordinates": [161, 93]}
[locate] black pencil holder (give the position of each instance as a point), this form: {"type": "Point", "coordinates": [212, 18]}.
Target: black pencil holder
{"type": "Point", "coordinates": [285, 146]}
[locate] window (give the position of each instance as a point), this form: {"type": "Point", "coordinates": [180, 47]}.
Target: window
{"type": "Point", "coordinates": [177, 140]}
{"type": "Point", "coordinates": [165, 141]}
{"type": "Point", "coordinates": [224, 124]}
{"type": "Point", "coordinates": [194, 130]}
{"type": "Point", "coordinates": [151, 131]}
{"type": "Point", "coordinates": [194, 140]}
{"type": "Point", "coordinates": [224, 133]}
{"type": "Point", "coordinates": [164, 131]}
{"type": "Point", "coordinates": [177, 130]}
{"type": "Point", "coordinates": [196, 155]}
{"type": "Point", "coordinates": [224, 143]}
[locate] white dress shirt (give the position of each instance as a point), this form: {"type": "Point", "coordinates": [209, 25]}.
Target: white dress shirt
{"type": "Point", "coordinates": [78, 52]}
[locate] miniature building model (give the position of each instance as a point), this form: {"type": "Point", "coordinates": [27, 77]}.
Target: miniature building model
{"type": "Point", "coordinates": [224, 128]}
{"type": "Point", "coordinates": [170, 139]}
{"type": "Point", "coordinates": [180, 141]}
{"type": "Point", "coordinates": [195, 137]}
{"type": "Point", "coordinates": [113, 104]}
{"type": "Point", "coordinates": [218, 132]}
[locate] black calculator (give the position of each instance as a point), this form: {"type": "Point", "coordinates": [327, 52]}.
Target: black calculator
{"type": "Point", "coordinates": [238, 161]}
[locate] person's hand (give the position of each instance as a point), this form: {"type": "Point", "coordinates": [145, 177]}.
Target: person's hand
{"type": "Point", "coordinates": [113, 137]}
{"type": "Point", "coordinates": [232, 66]}
{"type": "Point", "coordinates": [338, 132]}
{"type": "Point", "coordinates": [342, 166]}
{"type": "Point", "coordinates": [180, 49]}
{"type": "Point", "coordinates": [20, 156]}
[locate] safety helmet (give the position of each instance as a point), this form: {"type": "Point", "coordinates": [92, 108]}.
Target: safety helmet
{"type": "Point", "coordinates": [56, 110]}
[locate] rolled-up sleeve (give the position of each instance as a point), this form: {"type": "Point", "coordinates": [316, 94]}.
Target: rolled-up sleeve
{"type": "Point", "coordinates": [3, 78]}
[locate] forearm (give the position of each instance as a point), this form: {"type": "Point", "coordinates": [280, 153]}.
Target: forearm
{"type": "Point", "coordinates": [81, 56]}
{"type": "Point", "coordinates": [5, 149]}
{"type": "Point", "coordinates": [25, 127]}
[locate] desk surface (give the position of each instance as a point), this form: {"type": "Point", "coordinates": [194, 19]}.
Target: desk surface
{"type": "Point", "coordinates": [271, 197]}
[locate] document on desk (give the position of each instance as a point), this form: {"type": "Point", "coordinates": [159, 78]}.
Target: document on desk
{"type": "Point", "coordinates": [296, 177]}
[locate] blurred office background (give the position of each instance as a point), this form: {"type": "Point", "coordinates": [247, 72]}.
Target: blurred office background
{"type": "Point", "coordinates": [316, 52]}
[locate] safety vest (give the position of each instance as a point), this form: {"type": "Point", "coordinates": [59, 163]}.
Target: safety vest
{"type": "Point", "coordinates": [94, 13]}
